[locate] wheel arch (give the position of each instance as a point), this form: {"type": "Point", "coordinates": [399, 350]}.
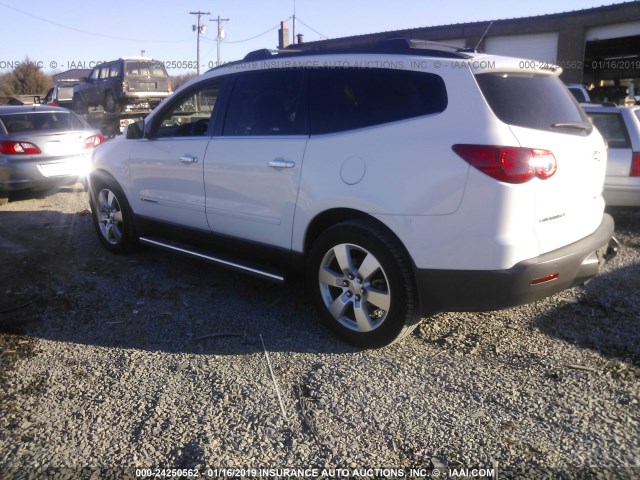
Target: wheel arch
{"type": "Point", "coordinates": [100, 174]}
{"type": "Point", "coordinates": [105, 176]}
{"type": "Point", "coordinates": [334, 216]}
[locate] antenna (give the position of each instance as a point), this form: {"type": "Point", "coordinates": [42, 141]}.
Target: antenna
{"type": "Point", "coordinates": [475, 49]}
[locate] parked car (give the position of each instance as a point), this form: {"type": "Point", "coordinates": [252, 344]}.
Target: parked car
{"type": "Point", "coordinates": [580, 92]}
{"type": "Point", "coordinates": [42, 147]}
{"type": "Point", "coordinates": [402, 180]}
{"type": "Point", "coordinates": [139, 83]}
{"type": "Point", "coordinates": [620, 126]}
{"type": "Point", "coordinates": [609, 94]}
{"type": "Point", "coordinates": [60, 95]}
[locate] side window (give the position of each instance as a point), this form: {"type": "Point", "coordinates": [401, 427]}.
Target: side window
{"type": "Point", "coordinates": [104, 71]}
{"type": "Point", "coordinates": [346, 99]}
{"type": "Point", "coordinates": [611, 126]}
{"type": "Point", "coordinates": [190, 115]}
{"type": "Point", "coordinates": [94, 74]}
{"type": "Point", "coordinates": [266, 103]}
{"type": "Point", "coordinates": [115, 69]}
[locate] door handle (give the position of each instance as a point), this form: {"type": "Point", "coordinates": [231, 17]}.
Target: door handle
{"type": "Point", "coordinates": [281, 163]}
{"type": "Point", "coordinates": [188, 159]}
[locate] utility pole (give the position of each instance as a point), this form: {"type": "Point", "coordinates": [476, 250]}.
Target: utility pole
{"type": "Point", "coordinates": [294, 22]}
{"type": "Point", "coordinates": [219, 36]}
{"type": "Point", "coordinates": [199, 28]}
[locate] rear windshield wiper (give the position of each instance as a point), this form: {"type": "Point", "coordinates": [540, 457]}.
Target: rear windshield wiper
{"type": "Point", "coordinates": [573, 125]}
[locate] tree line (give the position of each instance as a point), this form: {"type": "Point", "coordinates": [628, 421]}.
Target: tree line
{"type": "Point", "coordinates": [26, 79]}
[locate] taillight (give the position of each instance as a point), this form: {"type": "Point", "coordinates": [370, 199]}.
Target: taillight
{"type": "Point", "coordinates": [93, 141]}
{"type": "Point", "coordinates": [10, 147]}
{"type": "Point", "coordinates": [170, 88]}
{"type": "Point", "coordinates": [635, 164]}
{"type": "Point", "coordinates": [509, 164]}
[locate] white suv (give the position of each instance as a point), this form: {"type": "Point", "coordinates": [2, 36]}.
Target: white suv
{"type": "Point", "coordinates": [403, 180]}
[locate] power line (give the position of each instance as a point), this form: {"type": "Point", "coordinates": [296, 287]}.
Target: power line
{"type": "Point", "coordinates": [315, 31]}
{"type": "Point", "coordinates": [67, 27]}
{"type": "Point", "coordinates": [257, 36]}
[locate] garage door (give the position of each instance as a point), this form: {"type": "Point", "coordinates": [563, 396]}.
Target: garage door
{"type": "Point", "coordinates": [537, 46]}
{"type": "Point", "coordinates": [617, 30]}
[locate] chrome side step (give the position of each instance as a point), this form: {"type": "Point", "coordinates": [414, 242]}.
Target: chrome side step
{"type": "Point", "coordinates": [205, 256]}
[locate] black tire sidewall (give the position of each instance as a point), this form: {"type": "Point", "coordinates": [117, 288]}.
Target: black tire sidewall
{"type": "Point", "coordinates": [79, 106]}
{"type": "Point", "coordinates": [110, 108]}
{"type": "Point", "coordinates": [129, 240]}
{"type": "Point", "coordinates": [395, 266]}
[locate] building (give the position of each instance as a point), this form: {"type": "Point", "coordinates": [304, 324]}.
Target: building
{"type": "Point", "coordinates": [599, 46]}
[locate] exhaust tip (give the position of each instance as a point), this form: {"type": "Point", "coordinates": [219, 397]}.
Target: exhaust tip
{"type": "Point", "coordinates": [612, 249]}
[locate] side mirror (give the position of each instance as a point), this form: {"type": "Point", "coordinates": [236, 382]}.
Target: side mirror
{"type": "Point", "coordinates": [37, 100]}
{"type": "Point", "coordinates": [135, 131]}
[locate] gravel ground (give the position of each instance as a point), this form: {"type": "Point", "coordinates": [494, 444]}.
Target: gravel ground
{"type": "Point", "coordinates": [110, 364]}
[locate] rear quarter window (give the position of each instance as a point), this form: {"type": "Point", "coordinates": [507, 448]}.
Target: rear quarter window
{"type": "Point", "coordinates": [612, 128]}
{"type": "Point", "coordinates": [347, 99]}
{"type": "Point", "coordinates": [531, 101]}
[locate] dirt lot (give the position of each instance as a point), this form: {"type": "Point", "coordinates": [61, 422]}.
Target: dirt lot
{"type": "Point", "coordinates": [151, 360]}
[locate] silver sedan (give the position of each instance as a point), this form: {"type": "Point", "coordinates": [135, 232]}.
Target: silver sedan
{"type": "Point", "coordinates": [620, 126]}
{"type": "Point", "coordinates": [43, 147]}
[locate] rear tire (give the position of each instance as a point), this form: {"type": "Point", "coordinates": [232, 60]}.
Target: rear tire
{"type": "Point", "coordinates": [112, 216]}
{"type": "Point", "coordinates": [362, 284]}
{"type": "Point", "coordinates": [110, 103]}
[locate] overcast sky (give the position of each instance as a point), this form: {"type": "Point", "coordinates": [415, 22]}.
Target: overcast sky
{"type": "Point", "coordinates": [65, 34]}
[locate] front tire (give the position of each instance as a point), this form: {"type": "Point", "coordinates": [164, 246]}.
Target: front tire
{"type": "Point", "coordinates": [112, 216]}
{"type": "Point", "coordinates": [79, 106]}
{"type": "Point", "coordinates": [362, 284]}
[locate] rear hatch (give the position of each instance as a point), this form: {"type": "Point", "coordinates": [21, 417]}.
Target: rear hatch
{"type": "Point", "coordinates": [542, 114]}
{"type": "Point", "coordinates": [147, 76]}
{"type": "Point", "coordinates": [65, 93]}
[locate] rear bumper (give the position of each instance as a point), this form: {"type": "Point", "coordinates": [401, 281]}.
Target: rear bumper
{"type": "Point", "coordinates": [30, 174]}
{"type": "Point", "coordinates": [472, 290]}
{"type": "Point", "coordinates": [132, 97]}
{"type": "Point", "coordinates": [622, 196]}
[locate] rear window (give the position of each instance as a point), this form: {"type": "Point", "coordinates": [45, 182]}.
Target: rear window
{"type": "Point", "coordinates": [42, 121]}
{"type": "Point", "coordinates": [611, 126]}
{"type": "Point", "coordinates": [531, 101]}
{"type": "Point", "coordinates": [346, 99]}
{"type": "Point", "coordinates": [145, 69]}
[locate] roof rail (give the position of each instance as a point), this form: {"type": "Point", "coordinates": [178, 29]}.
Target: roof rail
{"type": "Point", "coordinates": [400, 45]}
{"type": "Point", "coordinates": [261, 54]}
